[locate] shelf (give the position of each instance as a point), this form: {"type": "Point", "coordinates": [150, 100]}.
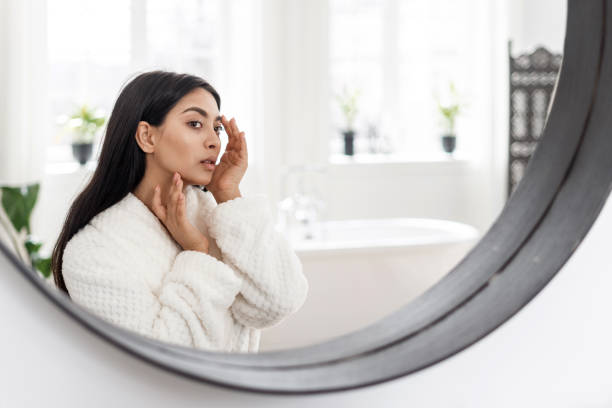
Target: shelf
{"type": "Point", "coordinates": [397, 158]}
{"type": "Point", "coordinates": [69, 167]}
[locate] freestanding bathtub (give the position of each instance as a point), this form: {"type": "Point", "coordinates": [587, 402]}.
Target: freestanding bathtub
{"type": "Point", "coordinates": [362, 270]}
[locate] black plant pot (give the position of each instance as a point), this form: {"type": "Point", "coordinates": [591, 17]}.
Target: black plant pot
{"type": "Point", "coordinates": [349, 137]}
{"type": "Point", "coordinates": [448, 143]}
{"type": "Point", "coordinates": [82, 152]}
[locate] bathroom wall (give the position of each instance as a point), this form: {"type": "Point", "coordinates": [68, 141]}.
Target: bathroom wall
{"type": "Point", "coordinates": [555, 352]}
{"type": "Point", "coordinates": [472, 190]}
{"type": "Point", "coordinates": [23, 89]}
{"type": "Point", "coordinates": [534, 23]}
{"type": "Point", "coordinates": [292, 123]}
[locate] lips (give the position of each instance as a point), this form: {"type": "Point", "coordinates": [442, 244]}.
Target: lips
{"type": "Point", "coordinates": [208, 164]}
{"type": "Point", "coordinates": [211, 159]}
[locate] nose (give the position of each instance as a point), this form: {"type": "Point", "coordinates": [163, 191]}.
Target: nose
{"type": "Point", "coordinates": [212, 140]}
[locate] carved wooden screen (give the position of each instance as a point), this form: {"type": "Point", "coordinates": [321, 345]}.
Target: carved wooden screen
{"type": "Point", "coordinates": [532, 80]}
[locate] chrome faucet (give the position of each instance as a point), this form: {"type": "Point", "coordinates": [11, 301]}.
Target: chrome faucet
{"type": "Point", "coordinates": [301, 212]}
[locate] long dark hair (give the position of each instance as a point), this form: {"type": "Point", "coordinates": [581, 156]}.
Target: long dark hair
{"type": "Point", "coordinates": [121, 165]}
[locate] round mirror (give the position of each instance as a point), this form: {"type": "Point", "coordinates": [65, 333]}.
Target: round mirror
{"type": "Point", "coordinates": [382, 141]}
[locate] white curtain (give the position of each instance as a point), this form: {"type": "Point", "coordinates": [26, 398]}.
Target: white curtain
{"type": "Point", "coordinates": [22, 91]}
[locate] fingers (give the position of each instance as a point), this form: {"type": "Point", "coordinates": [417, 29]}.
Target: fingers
{"type": "Point", "coordinates": [173, 213]}
{"type": "Point", "coordinates": [234, 126]}
{"type": "Point", "coordinates": [180, 201]}
{"type": "Point", "coordinates": [236, 138]}
{"type": "Point", "coordinates": [177, 199]}
{"type": "Point", "coordinates": [173, 196]}
{"type": "Point", "coordinates": [244, 154]}
{"type": "Point", "coordinates": [233, 133]}
{"type": "Point", "coordinates": [230, 133]}
{"type": "Point", "coordinates": [180, 210]}
{"type": "Point", "coordinates": [158, 208]}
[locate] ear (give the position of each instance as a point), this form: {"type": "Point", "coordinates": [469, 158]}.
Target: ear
{"type": "Point", "coordinates": [145, 137]}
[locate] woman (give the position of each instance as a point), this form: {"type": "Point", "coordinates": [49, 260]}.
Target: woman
{"type": "Point", "coordinates": [144, 247]}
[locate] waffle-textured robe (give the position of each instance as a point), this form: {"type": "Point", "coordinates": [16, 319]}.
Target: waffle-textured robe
{"type": "Point", "coordinates": [125, 267]}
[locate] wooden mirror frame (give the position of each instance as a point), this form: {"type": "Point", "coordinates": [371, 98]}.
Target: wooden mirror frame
{"type": "Point", "coordinates": [563, 190]}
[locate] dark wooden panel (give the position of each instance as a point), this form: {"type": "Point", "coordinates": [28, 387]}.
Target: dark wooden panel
{"type": "Point", "coordinates": [532, 80]}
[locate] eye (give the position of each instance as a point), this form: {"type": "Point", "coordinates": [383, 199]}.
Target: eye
{"type": "Point", "coordinates": [218, 129]}
{"type": "Point", "coordinates": [191, 122]}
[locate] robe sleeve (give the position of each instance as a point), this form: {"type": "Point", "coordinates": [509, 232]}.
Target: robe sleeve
{"type": "Point", "coordinates": [274, 285]}
{"type": "Point", "coordinates": [190, 308]}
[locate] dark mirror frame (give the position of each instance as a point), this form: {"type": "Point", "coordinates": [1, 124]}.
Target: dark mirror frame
{"type": "Point", "coordinates": [563, 190]}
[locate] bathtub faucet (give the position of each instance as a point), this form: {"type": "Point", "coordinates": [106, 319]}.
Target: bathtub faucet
{"type": "Point", "coordinates": [302, 209]}
{"type": "Point", "coordinates": [300, 217]}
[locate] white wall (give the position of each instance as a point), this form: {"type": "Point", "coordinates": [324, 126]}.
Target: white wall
{"type": "Point", "coordinates": [295, 74]}
{"type": "Point", "coordinates": [292, 124]}
{"type": "Point", "coordinates": [534, 23]}
{"type": "Point", "coordinates": [472, 191]}
{"type": "Point", "coordinates": [555, 352]}
{"type": "Point", "coordinates": [22, 90]}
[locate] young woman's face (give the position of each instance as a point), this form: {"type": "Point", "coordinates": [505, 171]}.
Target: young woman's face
{"type": "Point", "coordinates": [190, 134]}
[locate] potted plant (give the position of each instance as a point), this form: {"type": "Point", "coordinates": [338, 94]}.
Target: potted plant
{"type": "Point", "coordinates": [347, 101]}
{"type": "Point", "coordinates": [449, 112]}
{"type": "Point", "coordinates": [17, 204]}
{"type": "Point", "coordinates": [84, 124]}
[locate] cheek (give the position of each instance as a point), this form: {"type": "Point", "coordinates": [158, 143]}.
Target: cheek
{"type": "Point", "coordinates": [176, 151]}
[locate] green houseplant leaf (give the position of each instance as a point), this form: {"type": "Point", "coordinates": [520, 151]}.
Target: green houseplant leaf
{"type": "Point", "coordinates": [43, 265]}
{"type": "Point", "coordinates": [85, 123]}
{"type": "Point", "coordinates": [450, 110]}
{"type": "Point", "coordinates": [18, 203]}
{"type": "Point", "coordinates": [347, 100]}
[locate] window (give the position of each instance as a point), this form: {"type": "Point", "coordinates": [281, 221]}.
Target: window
{"type": "Point", "coordinates": [403, 55]}
{"type": "Point", "coordinates": [95, 47]}
{"type": "Point", "coordinates": [84, 68]}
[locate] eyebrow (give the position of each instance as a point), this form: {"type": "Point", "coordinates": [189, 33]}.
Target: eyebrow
{"type": "Point", "coordinates": [201, 112]}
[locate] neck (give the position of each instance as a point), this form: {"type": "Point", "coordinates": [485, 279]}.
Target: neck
{"type": "Point", "coordinates": [145, 190]}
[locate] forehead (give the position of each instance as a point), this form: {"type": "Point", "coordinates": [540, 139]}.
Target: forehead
{"type": "Point", "coordinates": [200, 98]}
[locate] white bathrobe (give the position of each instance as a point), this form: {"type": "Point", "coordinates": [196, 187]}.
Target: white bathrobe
{"type": "Point", "coordinates": [125, 267]}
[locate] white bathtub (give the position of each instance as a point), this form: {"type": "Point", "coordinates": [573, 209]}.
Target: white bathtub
{"type": "Point", "coordinates": [361, 270]}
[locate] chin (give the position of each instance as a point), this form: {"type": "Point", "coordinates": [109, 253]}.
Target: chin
{"type": "Point", "coordinates": [199, 181]}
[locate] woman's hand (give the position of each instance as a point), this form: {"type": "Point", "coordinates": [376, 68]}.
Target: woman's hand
{"type": "Point", "coordinates": [173, 216]}
{"type": "Point", "coordinates": [230, 170]}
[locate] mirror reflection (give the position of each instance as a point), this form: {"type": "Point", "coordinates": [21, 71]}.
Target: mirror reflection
{"type": "Point", "coordinates": [247, 176]}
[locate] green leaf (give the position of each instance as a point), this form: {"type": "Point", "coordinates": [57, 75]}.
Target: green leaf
{"type": "Point", "coordinates": [33, 247]}
{"type": "Point", "coordinates": [30, 200]}
{"type": "Point", "coordinates": [18, 205]}
{"type": "Point", "coordinates": [43, 265]}
{"type": "Point", "coordinates": [13, 204]}
{"type": "Point", "coordinates": [85, 130]}
{"type": "Point", "coordinates": [348, 102]}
